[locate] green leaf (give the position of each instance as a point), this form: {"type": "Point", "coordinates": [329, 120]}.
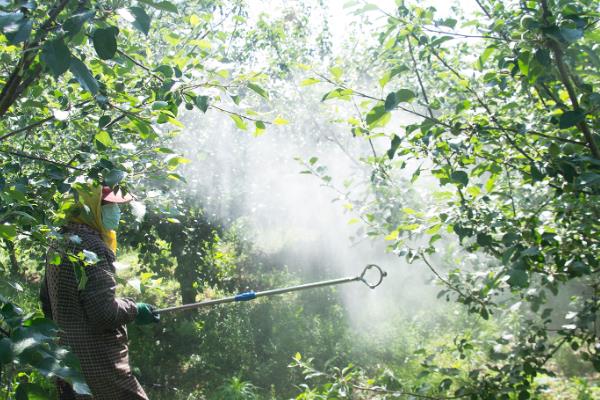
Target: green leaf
{"type": "Point", "coordinates": [8, 231]}
{"type": "Point", "coordinates": [161, 5]}
{"type": "Point", "coordinates": [83, 75]}
{"type": "Point", "coordinates": [105, 42]}
{"type": "Point", "coordinates": [416, 174]}
{"type": "Point", "coordinates": [104, 138]}
{"type": "Point", "coordinates": [175, 122]}
{"type": "Point", "coordinates": [160, 105]}
{"type": "Point", "coordinates": [571, 118]}
{"type": "Point", "coordinates": [338, 93]}
{"type": "Point", "coordinates": [571, 35]}
{"type": "Point", "coordinates": [202, 43]}
{"type": "Point", "coordinates": [10, 21]}
{"type": "Point", "coordinates": [280, 121]}
{"type": "Point", "coordinates": [309, 81]}
{"type": "Point", "coordinates": [262, 92]}
{"type": "Point", "coordinates": [90, 256]}
{"type": "Point", "coordinates": [74, 24]}
{"type": "Point", "coordinates": [445, 384]}
{"type": "Point", "coordinates": [239, 121]}
{"type": "Point", "coordinates": [486, 54]}
{"type": "Point", "coordinates": [518, 278]}
{"type": "Point", "coordinates": [173, 161]}
{"type": "Point", "coordinates": [103, 121]}
{"type": "Point", "coordinates": [6, 352]}
{"type": "Point", "coordinates": [57, 56]}
{"type": "Point", "coordinates": [201, 102]}
{"type": "Point", "coordinates": [195, 20]}
{"type": "Point", "coordinates": [391, 102]}
{"type": "Point", "coordinates": [80, 387]}
{"type": "Point", "coordinates": [523, 63]}
{"type": "Point", "coordinates": [336, 72]}
{"type": "Point", "coordinates": [460, 177]}
{"type": "Point", "coordinates": [165, 70]}
{"type": "Point", "coordinates": [401, 96]}
{"type": "Point", "coordinates": [388, 75]}
{"type": "Point", "coordinates": [260, 128]}
{"type": "Point", "coordinates": [449, 22]}
{"type": "Point", "coordinates": [114, 177]}
{"type": "Point", "coordinates": [141, 19]}
{"type": "Point", "coordinates": [18, 31]}
{"type": "Point", "coordinates": [396, 140]}
{"type": "Point", "coordinates": [176, 177]}
{"type": "Point", "coordinates": [378, 116]}
{"type": "Point", "coordinates": [405, 95]}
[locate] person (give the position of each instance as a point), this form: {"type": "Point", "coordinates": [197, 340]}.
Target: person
{"type": "Point", "coordinates": [80, 297]}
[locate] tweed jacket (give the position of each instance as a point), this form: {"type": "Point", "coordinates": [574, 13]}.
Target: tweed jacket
{"type": "Point", "coordinates": [92, 320]}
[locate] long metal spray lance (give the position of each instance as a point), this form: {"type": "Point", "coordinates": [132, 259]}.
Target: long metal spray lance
{"type": "Point", "coordinates": [251, 295]}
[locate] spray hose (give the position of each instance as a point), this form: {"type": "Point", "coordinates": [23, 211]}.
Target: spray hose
{"type": "Point", "coordinates": [251, 295]}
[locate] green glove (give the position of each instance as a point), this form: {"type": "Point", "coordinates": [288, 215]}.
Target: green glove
{"type": "Point", "coordinates": [146, 314]}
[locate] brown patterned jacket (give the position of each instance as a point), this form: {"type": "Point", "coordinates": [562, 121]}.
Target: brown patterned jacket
{"type": "Point", "coordinates": [92, 320]}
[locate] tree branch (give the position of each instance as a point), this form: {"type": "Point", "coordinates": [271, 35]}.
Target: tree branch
{"type": "Point", "coordinates": [402, 393]}
{"type": "Point", "coordinates": [238, 114]}
{"type": "Point", "coordinates": [447, 282]}
{"type": "Point", "coordinates": [38, 158]}
{"type": "Point", "coordinates": [38, 123]}
{"type": "Point", "coordinates": [139, 64]}
{"type": "Point", "coordinates": [14, 85]}
{"type": "Point", "coordinates": [26, 128]}
{"type": "Point", "coordinates": [566, 79]}
{"type": "Point", "coordinates": [463, 35]}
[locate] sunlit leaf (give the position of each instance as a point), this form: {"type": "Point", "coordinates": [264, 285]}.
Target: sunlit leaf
{"type": "Point", "coordinates": [280, 121]}
{"type": "Point", "coordinates": [262, 92]}
{"type": "Point", "coordinates": [239, 121]}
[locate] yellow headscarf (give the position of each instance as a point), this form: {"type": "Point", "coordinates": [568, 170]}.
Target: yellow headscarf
{"type": "Point", "coordinates": [89, 212]}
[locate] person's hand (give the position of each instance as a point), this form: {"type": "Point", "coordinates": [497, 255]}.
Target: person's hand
{"type": "Point", "coordinates": [146, 314]}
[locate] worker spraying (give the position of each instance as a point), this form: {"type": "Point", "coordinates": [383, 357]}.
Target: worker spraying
{"type": "Point", "coordinates": [81, 298]}
{"type": "Point", "coordinates": [82, 302]}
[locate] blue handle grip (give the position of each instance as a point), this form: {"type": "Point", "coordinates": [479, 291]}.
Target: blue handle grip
{"type": "Point", "coordinates": [245, 296]}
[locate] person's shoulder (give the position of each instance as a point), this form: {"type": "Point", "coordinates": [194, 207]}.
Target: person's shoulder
{"type": "Point", "coordinates": [83, 237]}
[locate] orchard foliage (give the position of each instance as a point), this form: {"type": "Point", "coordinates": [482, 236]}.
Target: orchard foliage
{"type": "Point", "coordinates": [502, 111]}
{"type": "Point", "coordinates": [92, 90]}
{"type": "Point", "coordinates": [481, 129]}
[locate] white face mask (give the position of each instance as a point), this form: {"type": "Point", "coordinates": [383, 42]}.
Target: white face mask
{"type": "Point", "coordinates": [111, 214]}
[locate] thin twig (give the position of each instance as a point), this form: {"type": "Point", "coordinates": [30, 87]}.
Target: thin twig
{"type": "Point", "coordinates": [238, 114]}
{"type": "Point", "coordinates": [38, 158]}
{"type": "Point", "coordinates": [38, 123]}
{"type": "Point", "coordinates": [478, 98]}
{"type": "Point", "coordinates": [510, 192]}
{"type": "Point", "coordinates": [26, 128]}
{"type": "Point", "coordinates": [463, 35]}
{"type": "Point", "coordinates": [14, 84]}
{"type": "Point", "coordinates": [447, 282]}
{"type": "Point", "coordinates": [402, 393]}
{"type": "Point", "coordinates": [139, 64]}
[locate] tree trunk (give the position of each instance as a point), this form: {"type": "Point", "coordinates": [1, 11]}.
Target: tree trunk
{"type": "Point", "coordinates": [186, 277]}
{"type": "Point", "coordinates": [12, 256]}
